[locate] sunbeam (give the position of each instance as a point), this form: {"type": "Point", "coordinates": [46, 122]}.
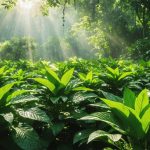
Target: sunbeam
{"type": "Point", "coordinates": [26, 21]}
{"type": "Point", "coordinates": [25, 4]}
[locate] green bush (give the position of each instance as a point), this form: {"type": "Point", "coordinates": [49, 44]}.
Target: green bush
{"type": "Point", "coordinates": [44, 102]}
{"type": "Point", "coordinates": [141, 49]}
{"type": "Point", "coordinates": [17, 48]}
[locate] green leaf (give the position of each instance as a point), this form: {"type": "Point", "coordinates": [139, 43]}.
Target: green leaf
{"type": "Point", "coordinates": [124, 75]}
{"type": "Point", "coordinates": [89, 76]}
{"type": "Point", "coordinates": [80, 96]}
{"type": "Point", "coordinates": [106, 117]}
{"type": "Point", "coordinates": [34, 114]}
{"type": "Point", "coordinates": [82, 135]}
{"type": "Point", "coordinates": [23, 99]}
{"type": "Point", "coordinates": [100, 116]}
{"type": "Point", "coordinates": [112, 97]}
{"type": "Point", "coordinates": [112, 71]}
{"type": "Point", "coordinates": [82, 89]}
{"type": "Point", "coordinates": [129, 98]}
{"type": "Point", "coordinates": [82, 76]}
{"type": "Point", "coordinates": [52, 76]}
{"type": "Point", "coordinates": [46, 83]}
{"type": "Point", "coordinates": [26, 138]}
{"type": "Point", "coordinates": [5, 89]}
{"type": "Point", "coordinates": [146, 120]}
{"type": "Point", "coordinates": [67, 76]}
{"type": "Point", "coordinates": [100, 134]}
{"type": "Point", "coordinates": [9, 117]}
{"type": "Point", "coordinates": [141, 101]}
{"type": "Point", "coordinates": [15, 94]}
{"type": "Point", "coordinates": [117, 71]}
{"type": "Point", "coordinates": [133, 126]}
{"type": "Point", "coordinates": [110, 76]}
{"type": "Point", "coordinates": [117, 105]}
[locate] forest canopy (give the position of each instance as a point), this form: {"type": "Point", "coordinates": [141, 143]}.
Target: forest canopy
{"type": "Point", "coordinates": [111, 27]}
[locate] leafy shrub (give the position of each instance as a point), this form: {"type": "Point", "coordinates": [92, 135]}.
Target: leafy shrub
{"type": "Point", "coordinates": [47, 100]}
{"type": "Point", "coordinates": [141, 49]}
{"type": "Point", "coordinates": [129, 116]}
{"type": "Point", "coordinates": [18, 113]}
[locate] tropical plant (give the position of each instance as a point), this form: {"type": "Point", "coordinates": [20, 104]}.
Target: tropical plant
{"type": "Point", "coordinates": [55, 84]}
{"type": "Point", "coordinates": [130, 117]}
{"type": "Point", "coordinates": [18, 114]}
{"type": "Point", "coordinates": [114, 79]}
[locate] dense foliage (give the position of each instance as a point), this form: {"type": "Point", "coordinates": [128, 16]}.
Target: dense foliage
{"type": "Point", "coordinates": [111, 27]}
{"type": "Point", "coordinates": [63, 105]}
{"type": "Point", "coordinates": [17, 48]}
{"type": "Point", "coordinates": [99, 103]}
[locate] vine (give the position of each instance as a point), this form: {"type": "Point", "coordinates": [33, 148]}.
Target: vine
{"type": "Point", "coordinates": [63, 17]}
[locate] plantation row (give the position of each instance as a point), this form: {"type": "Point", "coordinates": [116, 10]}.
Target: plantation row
{"type": "Point", "coordinates": [77, 104]}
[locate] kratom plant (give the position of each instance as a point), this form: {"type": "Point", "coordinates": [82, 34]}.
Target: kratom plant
{"type": "Point", "coordinates": [86, 78]}
{"type": "Point", "coordinates": [18, 113]}
{"type": "Point", "coordinates": [56, 84]}
{"type": "Point", "coordinates": [60, 100]}
{"type": "Point", "coordinates": [53, 82]}
{"type": "Point", "coordinates": [115, 74]}
{"type": "Point", "coordinates": [129, 117]}
{"type": "Point", "coordinates": [115, 80]}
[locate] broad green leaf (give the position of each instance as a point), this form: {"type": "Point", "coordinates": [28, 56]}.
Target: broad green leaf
{"type": "Point", "coordinates": [15, 94]}
{"type": "Point", "coordinates": [23, 99]}
{"type": "Point", "coordinates": [112, 97]}
{"type": "Point", "coordinates": [34, 114]}
{"type": "Point", "coordinates": [141, 101]}
{"type": "Point", "coordinates": [67, 76]}
{"type": "Point", "coordinates": [127, 118]}
{"type": "Point", "coordinates": [133, 126]}
{"type": "Point", "coordinates": [82, 76]}
{"type": "Point", "coordinates": [82, 89]}
{"type": "Point", "coordinates": [144, 110]}
{"type": "Point", "coordinates": [82, 135]}
{"type": "Point", "coordinates": [46, 83]}
{"type": "Point", "coordinates": [26, 138]}
{"type": "Point", "coordinates": [106, 117]}
{"type": "Point", "coordinates": [89, 76]}
{"type": "Point", "coordinates": [110, 75]}
{"type": "Point", "coordinates": [129, 98]}
{"type": "Point", "coordinates": [5, 89]}
{"type": "Point", "coordinates": [112, 71]}
{"type": "Point", "coordinates": [146, 120]}
{"type": "Point", "coordinates": [52, 76]}
{"type": "Point", "coordinates": [125, 74]}
{"type": "Point", "coordinates": [80, 96]}
{"type": "Point", "coordinates": [9, 117]}
{"type": "Point", "coordinates": [100, 134]}
{"type": "Point", "coordinates": [100, 116]}
{"type": "Point", "coordinates": [117, 105]}
{"type": "Point", "coordinates": [117, 71]}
